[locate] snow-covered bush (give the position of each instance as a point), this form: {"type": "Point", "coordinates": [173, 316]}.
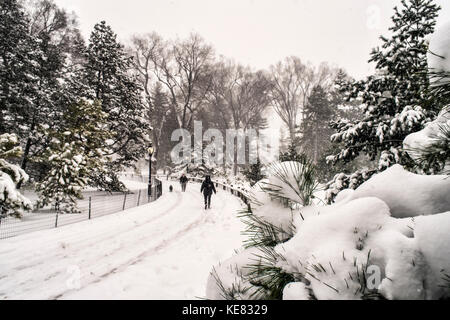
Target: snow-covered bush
{"type": "Point", "coordinates": [254, 274]}
{"type": "Point", "coordinates": [12, 202]}
{"type": "Point", "coordinates": [254, 172]}
{"type": "Point", "coordinates": [430, 147]}
{"type": "Point", "coordinates": [344, 181]}
{"type": "Point", "coordinates": [388, 239]}
{"type": "Point", "coordinates": [67, 178]}
{"type": "Point", "coordinates": [77, 156]}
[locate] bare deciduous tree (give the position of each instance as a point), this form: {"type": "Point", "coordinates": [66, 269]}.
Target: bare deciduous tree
{"type": "Point", "coordinates": [184, 69]}
{"type": "Point", "coordinates": [145, 49]}
{"type": "Point", "coordinates": [242, 96]}
{"type": "Point", "coordinates": [292, 83]}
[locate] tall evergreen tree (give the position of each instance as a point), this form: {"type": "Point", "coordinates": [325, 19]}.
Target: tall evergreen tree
{"type": "Point", "coordinates": [76, 156]}
{"type": "Point", "coordinates": [315, 128]}
{"type": "Point", "coordinates": [394, 99]}
{"type": "Point", "coordinates": [20, 55]}
{"type": "Point", "coordinates": [106, 74]}
{"type": "Point", "coordinates": [36, 44]}
{"type": "Point", "coordinates": [158, 116]}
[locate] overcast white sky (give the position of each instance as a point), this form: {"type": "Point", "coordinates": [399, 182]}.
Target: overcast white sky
{"type": "Point", "coordinates": [257, 32]}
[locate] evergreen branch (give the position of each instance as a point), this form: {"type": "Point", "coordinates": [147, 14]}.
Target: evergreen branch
{"type": "Point", "coordinates": [260, 233]}
{"type": "Point", "coordinates": [269, 279]}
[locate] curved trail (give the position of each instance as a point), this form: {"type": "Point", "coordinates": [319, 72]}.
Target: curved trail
{"type": "Point", "coordinates": [163, 250]}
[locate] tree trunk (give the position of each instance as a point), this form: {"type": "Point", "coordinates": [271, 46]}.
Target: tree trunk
{"type": "Point", "coordinates": [316, 144]}
{"type": "Point", "coordinates": [26, 154]}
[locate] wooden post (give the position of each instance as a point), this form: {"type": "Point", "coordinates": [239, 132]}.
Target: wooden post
{"type": "Point", "coordinates": [56, 219]}
{"type": "Point", "coordinates": [90, 201]}
{"type": "Point", "coordinates": [124, 201]}
{"type": "Point", "coordinates": [139, 198]}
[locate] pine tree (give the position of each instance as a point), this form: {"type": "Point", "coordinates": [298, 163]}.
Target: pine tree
{"type": "Point", "coordinates": [19, 62]}
{"type": "Point", "coordinates": [394, 100]}
{"type": "Point", "coordinates": [158, 117]}
{"type": "Point", "coordinates": [106, 74]}
{"type": "Point", "coordinates": [67, 178]}
{"type": "Point", "coordinates": [85, 124]}
{"type": "Point", "coordinates": [54, 32]}
{"type": "Point", "coordinates": [12, 202]}
{"type": "Point", "coordinates": [35, 44]}
{"type": "Point", "coordinates": [254, 172]}
{"type": "Point", "coordinates": [76, 155]}
{"type": "Point", "coordinates": [291, 154]}
{"type": "Point", "coordinates": [315, 128]}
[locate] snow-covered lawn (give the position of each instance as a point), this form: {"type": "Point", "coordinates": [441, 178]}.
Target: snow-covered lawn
{"type": "Point", "coordinates": [103, 203]}
{"type": "Point", "coordinates": [163, 250]}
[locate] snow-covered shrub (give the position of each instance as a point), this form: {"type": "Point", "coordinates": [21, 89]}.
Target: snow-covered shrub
{"type": "Point", "coordinates": [344, 181]}
{"type": "Point", "coordinates": [388, 239]}
{"type": "Point", "coordinates": [77, 156]}
{"type": "Point", "coordinates": [254, 273]}
{"type": "Point", "coordinates": [12, 202]}
{"type": "Point", "coordinates": [229, 281]}
{"type": "Point", "coordinates": [430, 147]}
{"type": "Point", "coordinates": [254, 173]}
{"type": "Point", "coordinates": [67, 178]}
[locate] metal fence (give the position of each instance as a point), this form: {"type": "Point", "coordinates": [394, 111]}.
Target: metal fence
{"type": "Point", "coordinates": [94, 205]}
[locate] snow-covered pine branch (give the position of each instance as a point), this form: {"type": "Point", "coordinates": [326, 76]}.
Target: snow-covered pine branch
{"type": "Point", "coordinates": [12, 202]}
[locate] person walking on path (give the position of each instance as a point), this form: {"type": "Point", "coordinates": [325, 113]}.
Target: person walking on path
{"type": "Point", "coordinates": [207, 189]}
{"type": "Point", "coordinates": [183, 182]}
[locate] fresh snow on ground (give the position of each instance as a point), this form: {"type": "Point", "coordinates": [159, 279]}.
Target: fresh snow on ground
{"type": "Point", "coordinates": [163, 250]}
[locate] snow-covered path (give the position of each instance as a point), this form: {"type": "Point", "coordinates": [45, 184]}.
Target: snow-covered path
{"type": "Point", "coordinates": [163, 250]}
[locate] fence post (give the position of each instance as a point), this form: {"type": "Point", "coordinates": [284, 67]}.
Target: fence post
{"type": "Point", "coordinates": [139, 198]}
{"type": "Point", "coordinates": [124, 201]}
{"type": "Point", "coordinates": [56, 219]}
{"type": "Point", "coordinates": [90, 200]}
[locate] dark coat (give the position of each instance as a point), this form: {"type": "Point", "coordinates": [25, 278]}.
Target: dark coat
{"type": "Point", "coordinates": [183, 179]}
{"type": "Point", "coordinates": [208, 187]}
